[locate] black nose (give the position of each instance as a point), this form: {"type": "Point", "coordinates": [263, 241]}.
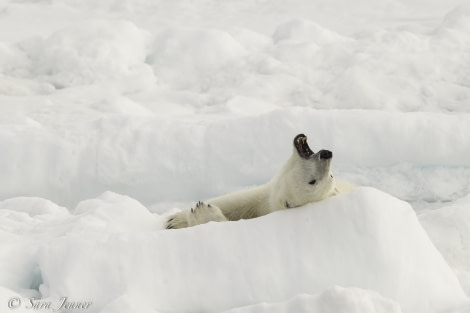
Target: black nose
{"type": "Point", "coordinates": [325, 154]}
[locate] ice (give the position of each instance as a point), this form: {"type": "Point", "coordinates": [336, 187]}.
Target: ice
{"type": "Point", "coordinates": [336, 299]}
{"type": "Point", "coordinates": [224, 260]}
{"type": "Point", "coordinates": [9, 299]}
{"type": "Point", "coordinates": [211, 53]}
{"type": "Point", "coordinates": [449, 228]}
{"type": "Point", "coordinates": [300, 31]}
{"type": "Point", "coordinates": [33, 207]}
{"type": "Point", "coordinates": [20, 229]}
{"type": "Point", "coordinates": [115, 114]}
{"type": "Point", "coordinates": [116, 214]}
{"type": "Point", "coordinates": [155, 159]}
{"type": "Point", "coordinates": [157, 266]}
{"type": "Point", "coordinates": [455, 25]}
{"type": "Point", "coordinates": [86, 53]}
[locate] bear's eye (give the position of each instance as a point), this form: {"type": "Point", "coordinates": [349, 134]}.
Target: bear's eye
{"type": "Point", "coordinates": [312, 182]}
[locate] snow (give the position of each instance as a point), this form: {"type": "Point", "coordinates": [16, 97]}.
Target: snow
{"type": "Point", "coordinates": [78, 55]}
{"type": "Point", "coordinates": [111, 249]}
{"type": "Point", "coordinates": [114, 114]}
{"type": "Point", "coordinates": [336, 299]}
{"type": "Point", "coordinates": [449, 228]}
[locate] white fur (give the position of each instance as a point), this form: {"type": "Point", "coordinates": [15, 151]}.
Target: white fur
{"type": "Point", "coordinates": [290, 188]}
{"type": "Point", "coordinates": [204, 213]}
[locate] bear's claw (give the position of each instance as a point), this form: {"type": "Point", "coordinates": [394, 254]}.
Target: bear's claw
{"type": "Point", "coordinates": [169, 225]}
{"type": "Point", "coordinates": [198, 205]}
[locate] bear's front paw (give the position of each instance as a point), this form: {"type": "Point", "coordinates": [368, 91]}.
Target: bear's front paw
{"type": "Point", "coordinates": [203, 213]}
{"type": "Point", "coordinates": [178, 220]}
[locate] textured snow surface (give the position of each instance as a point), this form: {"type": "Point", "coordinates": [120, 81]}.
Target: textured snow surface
{"type": "Point", "coordinates": [110, 249]}
{"type": "Point", "coordinates": [449, 228]}
{"type": "Point", "coordinates": [336, 299]}
{"type": "Point", "coordinates": [115, 113]}
{"type": "Point", "coordinates": [123, 101]}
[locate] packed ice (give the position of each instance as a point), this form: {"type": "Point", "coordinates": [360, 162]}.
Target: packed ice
{"type": "Point", "coordinates": [115, 114]}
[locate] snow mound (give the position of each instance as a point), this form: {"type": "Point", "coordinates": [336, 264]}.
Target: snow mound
{"type": "Point", "coordinates": [87, 52]}
{"type": "Point", "coordinates": [334, 300]}
{"type": "Point", "coordinates": [192, 58]}
{"type": "Point", "coordinates": [300, 31]}
{"type": "Point", "coordinates": [32, 206]}
{"type": "Point", "coordinates": [449, 228]}
{"type": "Point", "coordinates": [141, 156]}
{"type": "Point", "coordinates": [220, 266]}
{"type": "Point", "coordinates": [20, 229]}
{"type": "Point", "coordinates": [112, 212]}
{"type": "Point", "coordinates": [456, 24]}
{"type": "Point", "coordinates": [10, 298]}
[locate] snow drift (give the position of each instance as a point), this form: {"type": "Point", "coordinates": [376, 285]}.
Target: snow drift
{"type": "Point", "coordinates": [184, 100]}
{"type": "Point", "coordinates": [365, 239]}
{"type": "Point", "coordinates": [151, 158]}
{"type": "Point", "coordinates": [449, 229]}
{"type": "Point", "coordinates": [85, 105]}
{"type": "Point", "coordinates": [334, 300]}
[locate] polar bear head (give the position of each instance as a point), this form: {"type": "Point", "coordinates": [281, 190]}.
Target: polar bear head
{"type": "Point", "coordinates": [304, 178]}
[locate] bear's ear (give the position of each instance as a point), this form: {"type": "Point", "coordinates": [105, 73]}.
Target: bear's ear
{"type": "Point", "coordinates": [301, 145]}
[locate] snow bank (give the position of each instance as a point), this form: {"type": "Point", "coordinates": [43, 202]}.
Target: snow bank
{"type": "Point", "coordinates": [449, 229]}
{"type": "Point", "coordinates": [385, 70]}
{"type": "Point", "coordinates": [334, 300]}
{"type": "Point", "coordinates": [19, 233]}
{"type": "Point", "coordinates": [87, 108]}
{"type": "Point", "coordinates": [193, 58]}
{"type": "Point", "coordinates": [365, 239]}
{"type": "Point", "coordinates": [86, 53]}
{"type": "Point", "coordinates": [155, 159]}
{"type": "Point", "coordinates": [299, 31]}
{"type": "Point", "coordinates": [13, 300]}
{"type": "Point", "coordinates": [113, 213]}
{"type": "Point", "coordinates": [184, 100]}
{"type": "Point", "coordinates": [29, 223]}
{"type": "Point", "coordinates": [455, 26]}
{"type": "Point", "coordinates": [33, 207]}
{"type": "Point", "coordinates": [392, 69]}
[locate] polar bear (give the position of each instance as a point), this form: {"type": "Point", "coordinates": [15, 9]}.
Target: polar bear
{"type": "Point", "coordinates": [304, 178]}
